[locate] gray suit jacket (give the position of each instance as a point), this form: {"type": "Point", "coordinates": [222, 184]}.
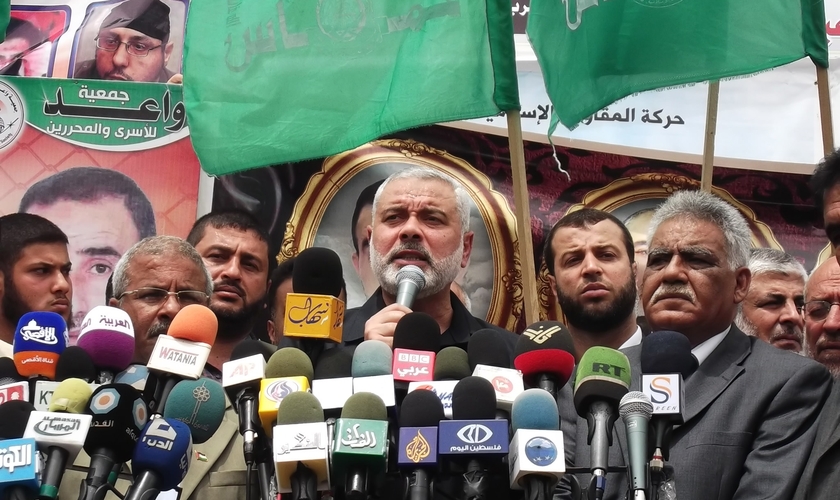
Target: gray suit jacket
{"type": "Point", "coordinates": [750, 423]}
{"type": "Point", "coordinates": [822, 472]}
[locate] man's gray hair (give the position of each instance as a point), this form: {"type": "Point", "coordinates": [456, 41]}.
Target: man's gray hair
{"type": "Point", "coordinates": [704, 206]}
{"type": "Point", "coordinates": [770, 260]}
{"type": "Point", "coordinates": [462, 198]}
{"type": "Point", "coordinates": [158, 245]}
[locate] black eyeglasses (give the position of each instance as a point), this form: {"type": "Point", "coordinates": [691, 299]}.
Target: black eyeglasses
{"type": "Point", "coordinates": [157, 296]}
{"type": "Point", "coordinates": [112, 43]}
{"type": "Point", "coordinates": [817, 310]}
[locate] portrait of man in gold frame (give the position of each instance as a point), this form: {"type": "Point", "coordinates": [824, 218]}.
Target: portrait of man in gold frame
{"type": "Point", "coordinates": [322, 217]}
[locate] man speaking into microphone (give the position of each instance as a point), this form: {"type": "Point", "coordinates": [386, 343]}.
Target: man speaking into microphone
{"type": "Point", "coordinates": [420, 218]}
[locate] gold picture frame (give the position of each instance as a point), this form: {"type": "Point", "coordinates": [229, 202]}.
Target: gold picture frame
{"type": "Point", "coordinates": [506, 294]}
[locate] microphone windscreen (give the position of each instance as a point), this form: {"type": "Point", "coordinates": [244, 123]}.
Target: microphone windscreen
{"type": "Point", "coordinates": [195, 323]}
{"type": "Point", "coordinates": [535, 409]}
{"type": "Point", "coordinates": [75, 362]}
{"type": "Point", "coordinates": [289, 362]}
{"type": "Point", "coordinates": [71, 396]}
{"type": "Point", "coordinates": [108, 336]}
{"type": "Point", "coordinates": [417, 331]}
{"type": "Point", "coordinates": [452, 363]}
{"type": "Point", "coordinates": [250, 347]}
{"type": "Point", "coordinates": [317, 271]}
{"type": "Point", "coordinates": [473, 399]}
{"type": "Point", "coordinates": [299, 408]}
{"type": "Point", "coordinates": [635, 403]}
{"type": "Point", "coordinates": [8, 370]}
{"type": "Point", "coordinates": [421, 408]}
{"type": "Point", "coordinates": [200, 404]}
{"type": "Point", "coordinates": [485, 348]}
{"type": "Point", "coordinates": [372, 358]}
{"type": "Point", "coordinates": [365, 406]}
{"type": "Point", "coordinates": [555, 361]}
{"type": "Point", "coordinates": [162, 448]}
{"type": "Point", "coordinates": [13, 417]}
{"type": "Point", "coordinates": [40, 338]}
{"type": "Point", "coordinates": [603, 374]}
{"type": "Point", "coordinates": [667, 352]}
{"type": "Point", "coordinates": [545, 335]}
{"type": "Point", "coordinates": [119, 415]}
{"type": "Point", "coordinates": [335, 363]}
{"type": "Point", "coordinates": [136, 376]}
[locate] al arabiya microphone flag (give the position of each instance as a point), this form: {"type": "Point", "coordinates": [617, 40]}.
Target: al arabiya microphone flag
{"type": "Point", "coordinates": [594, 52]}
{"type": "Point", "coordinates": [268, 81]}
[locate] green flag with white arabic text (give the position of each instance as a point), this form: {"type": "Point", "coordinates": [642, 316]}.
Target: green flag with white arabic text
{"type": "Point", "coordinates": [594, 52]}
{"type": "Point", "coordinates": [270, 81]}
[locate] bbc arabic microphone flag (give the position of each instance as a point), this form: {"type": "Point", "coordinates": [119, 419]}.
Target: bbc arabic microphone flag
{"type": "Point", "coordinates": [593, 52]}
{"type": "Point", "coordinates": [271, 81]}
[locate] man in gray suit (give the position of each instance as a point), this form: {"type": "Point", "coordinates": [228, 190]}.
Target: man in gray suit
{"type": "Point", "coordinates": [822, 472]}
{"type": "Point", "coordinates": [750, 409]}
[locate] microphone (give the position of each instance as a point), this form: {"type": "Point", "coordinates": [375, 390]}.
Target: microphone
{"type": "Point", "coordinates": [313, 310]}
{"type": "Point", "coordinates": [301, 447]}
{"type": "Point", "coordinates": [183, 352]}
{"type": "Point", "coordinates": [161, 458]}
{"type": "Point", "coordinates": [635, 409]}
{"type": "Point", "coordinates": [371, 370]}
{"type": "Point", "coordinates": [603, 378]}
{"type": "Point", "coordinates": [475, 438]}
{"type": "Point", "coordinates": [75, 362]}
{"type": "Point", "coordinates": [241, 378]}
{"type": "Point", "coordinates": [360, 447]}
{"type": "Point", "coordinates": [60, 432]}
{"type": "Point", "coordinates": [289, 370]}
{"type": "Point", "coordinates": [40, 337]}
{"type": "Point", "coordinates": [420, 415]}
{"type": "Point", "coordinates": [451, 365]}
{"type": "Point", "coordinates": [490, 362]}
{"type": "Point", "coordinates": [545, 355]}
{"type": "Point", "coordinates": [333, 382]}
{"type": "Point", "coordinates": [536, 452]}
{"type": "Point", "coordinates": [108, 336]}
{"type": "Point", "coordinates": [118, 413]}
{"type": "Point", "coordinates": [411, 281]}
{"type": "Point", "coordinates": [19, 472]}
{"type": "Point", "coordinates": [416, 340]}
{"type": "Point", "coordinates": [8, 372]}
{"type": "Point", "coordinates": [666, 361]}
{"type": "Point", "coordinates": [199, 404]}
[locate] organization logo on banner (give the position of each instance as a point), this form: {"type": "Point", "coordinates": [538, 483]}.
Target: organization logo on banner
{"type": "Point", "coordinates": [418, 448]}
{"type": "Point", "coordinates": [35, 332]}
{"type": "Point", "coordinates": [539, 335]}
{"type": "Point", "coordinates": [11, 115]}
{"type": "Point", "coordinates": [475, 434]}
{"type": "Point", "coordinates": [280, 389]}
{"type": "Point", "coordinates": [663, 391]}
{"type": "Point", "coordinates": [540, 451]}
{"type": "Point", "coordinates": [502, 384]}
{"type": "Point", "coordinates": [58, 426]}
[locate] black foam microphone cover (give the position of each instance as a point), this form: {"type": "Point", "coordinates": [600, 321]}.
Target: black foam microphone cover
{"type": "Point", "coordinates": [75, 362]}
{"type": "Point", "coordinates": [335, 363]}
{"type": "Point", "coordinates": [421, 408]}
{"type": "Point", "coordinates": [119, 415]}
{"type": "Point", "coordinates": [8, 372]}
{"type": "Point", "coordinates": [485, 348]}
{"type": "Point", "coordinates": [250, 347]}
{"type": "Point", "coordinates": [667, 351]}
{"type": "Point", "coordinates": [473, 399]}
{"type": "Point", "coordinates": [317, 271]}
{"type": "Point", "coordinates": [13, 418]}
{"type": "Point", "coordinates": [417, 331]}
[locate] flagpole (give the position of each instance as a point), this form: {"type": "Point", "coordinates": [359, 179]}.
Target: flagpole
{"type": "Point", "coordinates": [523, 218]}
{"type": "Point", "coordinates": [709, 137]}
{"type": "Point", "coordinates": [825, 111]}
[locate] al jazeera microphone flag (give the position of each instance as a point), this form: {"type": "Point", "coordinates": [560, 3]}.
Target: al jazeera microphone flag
{"type": "Point", "coordinates": [270, 81]}
{"type": "Point", "coordinates": [595, 52]}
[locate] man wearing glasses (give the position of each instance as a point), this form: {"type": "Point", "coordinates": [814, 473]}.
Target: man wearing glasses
{"type": "Point", "coordinates": [822, 318]}
{"type": "Point", "coordinates": [152, 281]}
{"type": "Point", "coordinates": [132, 44]}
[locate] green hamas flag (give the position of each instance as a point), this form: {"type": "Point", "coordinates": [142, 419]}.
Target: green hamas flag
{"type": "Point", "coordinates": [594, 52]}
{"type": "Point", "coordinates": [270, 81]}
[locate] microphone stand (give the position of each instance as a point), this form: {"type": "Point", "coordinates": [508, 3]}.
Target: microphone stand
{"type": "Point", "coordinates": [304, 483]}
{"type": "Point", "coordinates": [476, 481]}
{"type": "Point", "coordinates": [538, 488]}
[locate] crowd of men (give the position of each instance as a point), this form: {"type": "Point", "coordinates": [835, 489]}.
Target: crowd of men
{"type": "Point", "coordinates": [760, 422]}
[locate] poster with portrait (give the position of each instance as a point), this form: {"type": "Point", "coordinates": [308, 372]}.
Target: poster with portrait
{"type": "Point", "coordinates": [312, 203]}
{"type": "Point", "coordinates": [108, 162]}
{"type": "Point", "coordinates": [125, 40]}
